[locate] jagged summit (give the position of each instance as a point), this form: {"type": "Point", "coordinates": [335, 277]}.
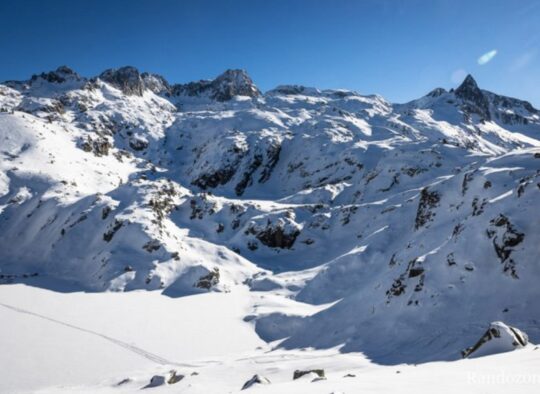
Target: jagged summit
{"type": "Point", "coordinates": [476, 100]}
{"type": "Point", "coordinates": [156, 83]}
{"type": "Point", "coordinates": [223, 88]}
{"type": "Point", "coordinates": [127, 79]}
{"type": "Point", "coordinates": [234, 83]}
{"type": "Point", "coordinates": [468, 88]}
{"type": "Point", "coordinates": [60, 75]}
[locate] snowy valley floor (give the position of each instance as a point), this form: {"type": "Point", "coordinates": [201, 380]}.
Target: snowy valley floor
{"type": "Point", "coordinates": [54, 341]}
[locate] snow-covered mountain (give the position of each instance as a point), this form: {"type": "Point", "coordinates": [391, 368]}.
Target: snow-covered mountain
{"type": "Point", "coordinates": [398, 230]}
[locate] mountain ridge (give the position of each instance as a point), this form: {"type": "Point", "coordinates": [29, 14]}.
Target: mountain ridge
{"type": "Point", "coordinates": [160, 85]}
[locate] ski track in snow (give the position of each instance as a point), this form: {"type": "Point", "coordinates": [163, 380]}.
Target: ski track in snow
{"type": "Point", "coordinates": [132, 348]}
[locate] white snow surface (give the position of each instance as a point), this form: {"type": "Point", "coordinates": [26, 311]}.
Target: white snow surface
{"type": "Point", "coordinates": [209, 227]}
{"type": "Point", "coordinates": [75, 342]}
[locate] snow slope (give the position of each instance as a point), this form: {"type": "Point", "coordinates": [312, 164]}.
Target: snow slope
{"type": "Point", "coordinates": [396, 230]}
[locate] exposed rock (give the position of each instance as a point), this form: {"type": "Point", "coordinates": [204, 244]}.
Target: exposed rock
{"type": "Point", "coordinates": [209, 280]}
{"type": "Point", "coordinates": [234, 83]}
{"type": "Point", "coordinates": [428, 201]}
{"type": "Point", "coordinates": [227, 85]}
{"type": "Point", "coordinates": [123, 381]}
{"type": "Point", "coordinates": [99, 146]}
{"type": "Point", "coordinates": [475, 101]}
{"type": "Point", "coordinates": [247, 176]}
{"type": "Point", "coordinates": [138, 143]}
{"type": "Point", "coordinates": [156, 381]}
{"type": "Point", "coordinates": [256, 379]}
{"type": "Point", "coordinates": [416, 271]}
{"type": "Point", "coordinates": [436, 92]}
{"type": "Point", "coordinates": [152, 246]}
{"type": "Point", "coordinates": [60, 75]}
{"type": "Point", "coordinates": [216, 178]}
{"type": "Point", "coordinates": [498, 338]}
{"type": "Point", "coordinates": [299, 373]}
{"type": "Point", "coordinates": [127, 79]}
{"type": "Point", "coordinates": [468, 177]}
{"type": "Point", "coordinates": [478, 207]}
{"type": "Point", "coordinates": [276, 236]}
{"type": "Point", "coordinates": [174, 377]}
{"type": "Point", "coordinates": [289, 89]}
{"type": "Point", "coordinates": [105, 212]}
{"type": "Point", "coordinates": [115, 227]}
{"type": "Point", "coordinates": [155, 83]}
{"type": "Point", "coordinates": [505, 238]}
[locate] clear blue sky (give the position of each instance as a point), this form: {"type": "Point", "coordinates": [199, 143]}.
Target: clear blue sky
{"type": "Point", "coordinates": [399, 49]}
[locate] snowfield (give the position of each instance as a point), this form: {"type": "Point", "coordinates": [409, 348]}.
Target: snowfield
{"type": "Point", "coordinates": [80, 342]}
{"type": "Point", "coordinates": [236, 237]}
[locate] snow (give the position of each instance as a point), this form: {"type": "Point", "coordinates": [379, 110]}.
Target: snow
{"type": "Point", "coordinates": [148, 227]}
{"type": "Point", "coordinates": [89, 342]}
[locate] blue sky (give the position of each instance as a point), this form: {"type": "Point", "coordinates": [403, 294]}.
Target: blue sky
{"type": "Point", "coordinates": [399, 49]}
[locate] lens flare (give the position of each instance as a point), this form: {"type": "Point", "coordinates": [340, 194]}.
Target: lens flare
{"type": "Point", "coordinates": [486, 57]}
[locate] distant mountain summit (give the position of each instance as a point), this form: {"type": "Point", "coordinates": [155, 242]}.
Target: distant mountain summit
{"type": "Point", "coordinates": [60, 75]}
{"type": "Point", "coordinates": [223, 88]}
{"type": "Point", "coordinates": [127, 79]}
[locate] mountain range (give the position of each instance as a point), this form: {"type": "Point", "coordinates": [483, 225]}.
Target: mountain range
{"type": "Point", "coordinates": [402, 229]}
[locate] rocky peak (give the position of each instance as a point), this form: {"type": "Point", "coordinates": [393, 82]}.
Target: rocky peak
{"type": "Point", "coordinates": [477, 102]}
{"type": "Point", "coordinates": [234, 83]}
{"type": "Point", "coordinates": [127, 79]}
{"type": "Point", "coordinates": [468, 85]}
{"type": "Point", "coordinates": [436, 92]}
{"type": "Point", "coordinates": [223, 88]}
{"type": "Point", "coordinates": [60, 75]}
{"type": "Point", "coordinates": [156, 83]}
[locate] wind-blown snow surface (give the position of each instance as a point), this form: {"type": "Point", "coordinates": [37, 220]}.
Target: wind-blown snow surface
{"type": "Point", "coordinates": [89, 343]}
{"type": "Point", "coordinates": [399, 231]}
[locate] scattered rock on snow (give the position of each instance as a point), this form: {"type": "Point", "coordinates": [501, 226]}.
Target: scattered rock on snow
{"type": "Point", "coordinates": [209, 280]}
{"type": "Point", "coordinates": [155, 381]}
{"type": "Point", "coordinates": [123, 381]}
{"type": "Point", "coordinates": [174, 377]}
{"type": "Point", "coordinates": [299, 373]}
{"type": "Point", "coordinates": [256, 379]}
{"type": "Point", "coordinates": [170, 377]}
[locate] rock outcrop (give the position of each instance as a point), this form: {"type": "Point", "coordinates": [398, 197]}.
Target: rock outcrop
{"type": "Point", "coordinates": [498, 338]}
{"type": "Point", "coordinates": [127, 79]}
{"type": "Point", "coordinates": [227, 85]}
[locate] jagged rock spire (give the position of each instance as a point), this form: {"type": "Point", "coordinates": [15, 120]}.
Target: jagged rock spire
{"type": "Point", "coordinates": [468, 86]}
{"type": "Point", "coordinates": [473, 95]}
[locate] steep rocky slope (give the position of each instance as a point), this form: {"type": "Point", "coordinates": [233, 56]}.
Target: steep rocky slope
{"type": "Point", "coordinates": [408, 226]}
